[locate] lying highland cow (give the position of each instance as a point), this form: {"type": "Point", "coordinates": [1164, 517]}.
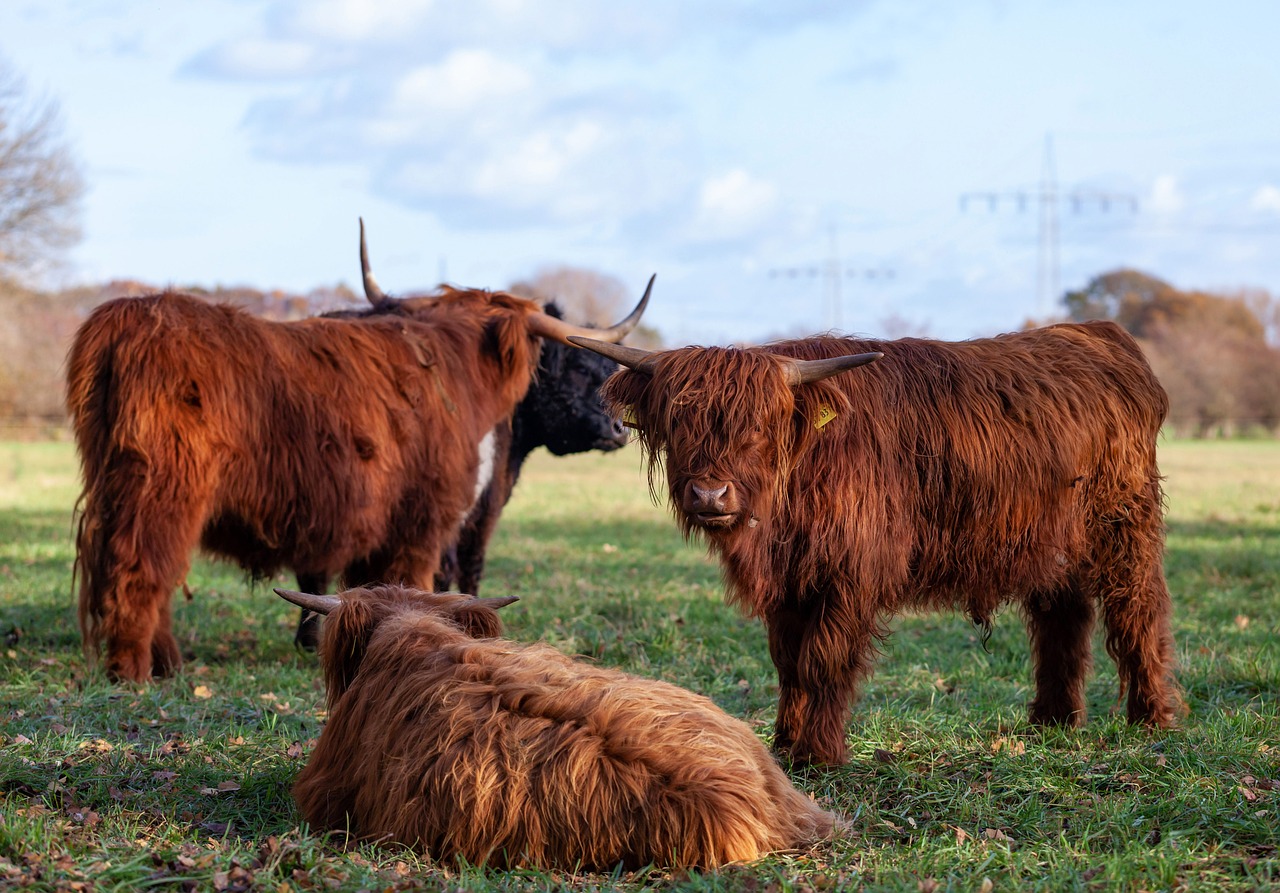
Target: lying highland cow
{"type": "Point", "coordinates": [462, 745]}
{"type": "Point", "coordinates": [963, 475]}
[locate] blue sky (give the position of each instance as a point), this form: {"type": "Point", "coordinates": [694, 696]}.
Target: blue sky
{"type": "Point", "coordinates": [714, 143]}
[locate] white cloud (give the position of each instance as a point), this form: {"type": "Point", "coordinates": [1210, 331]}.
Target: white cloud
{"type": "Point", "coordinates": [355, 20]}
{"type": "Point", "coordinates": [732, 205]}
{"type": "Point", "coordinates": [464, 80]}
{"type": "Point", "coordinates": [1266, 199]}
{"type": "Point", "coordinates": [1165, 195]}
{"type": "Point", "coordinates": [258, 58]}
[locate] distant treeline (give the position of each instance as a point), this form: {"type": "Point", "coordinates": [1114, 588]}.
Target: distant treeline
{"type": "Point", "coordinates": [1217, 355]}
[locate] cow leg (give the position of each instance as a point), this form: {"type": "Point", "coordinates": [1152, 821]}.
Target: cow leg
{"type": "Point", "coordinates": [307, 636]}
{"type": "Point", "coordinates": [1060, 626]}
{"type": "Point", "coordinates": [137, 534]}
{"type": "Point", "coordinates": [473, 542]}
{"type": "Point", "coordinates": [166, 658]}
{"type": "Point", "coordinates": [1129, 581]}
{"type": "Point", "coordinates": [835, 657]}
{"type": "Point", "coordinates": [786, 636]}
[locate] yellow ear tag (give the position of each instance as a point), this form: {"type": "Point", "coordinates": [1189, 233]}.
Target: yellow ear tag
{"type": "Point", "coordinates": [825, 414]}
{"type": "Point", "coordinates": [629, 418]}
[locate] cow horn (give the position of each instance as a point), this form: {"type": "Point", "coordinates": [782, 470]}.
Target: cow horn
{"type": "Point", "coordinates": [632, 357]}
{"type": "Point", "coordinates": [550, 327]}
{"type": "Point", "coordinates": [321, 604]}
{"type": "Point", "coordinates": [808, 371]}
{"type": "Point", "coordinates": [372, 290]}
{"type": "Point", "coordinates": [497, 602]}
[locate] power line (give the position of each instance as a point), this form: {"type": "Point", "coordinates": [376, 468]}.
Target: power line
{"type": "Point", "coordinates": [1049, 201]}
{"type": "Point", "coordinates": [833, 272]}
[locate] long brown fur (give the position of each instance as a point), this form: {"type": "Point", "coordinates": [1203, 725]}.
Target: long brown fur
{"type": "Point", "coordinates": [339, 448]}
{"type": "Point", "coordinates": [1020, 468]}
{"type": "Point", "coordinates": [514, 755]}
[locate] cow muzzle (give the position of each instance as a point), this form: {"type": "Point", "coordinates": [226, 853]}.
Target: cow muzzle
{"type": "Point", "coordinates": [711, 504]}
{"type": "Point", "coordinates": [614, 438]}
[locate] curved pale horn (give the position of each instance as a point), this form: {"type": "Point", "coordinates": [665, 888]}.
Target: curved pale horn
{"type": "Point", "coordinates": [632, 357]}
{"type": "Point", "coordinates": [372, 290]}
{"type": "Point", "coordinates": [808, 371]}
{"type": "Point", "coordinates": [550, 327]}
{"type": "Point", "coordinates": [497, 601]}
{"type": "Point", "coordinates": [321, 604]}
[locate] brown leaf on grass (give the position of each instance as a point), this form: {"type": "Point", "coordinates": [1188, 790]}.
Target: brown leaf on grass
{"type": "Point", "coordinates": [1162, 760]}
{"type": "Point", "coordinates": [203, 692]}
{"type": "Point", "coordinates": [164, 775]}
{"type": "Point", "coordinates": [224, 787]}
{"type": "Point", "coordinates": [996, 834]}
{"type": "Point", "coordinates": [1012, 746]}
{"type": "Point", "coordinates": [236, 741]}
{"type": "Point", "coordinates": [883, 756]}
{"type": "Point", "coordinates": [1242, 622]}
{"type": "Point", "coordinates": [1248, 793]}
{"type": "Point", "coordinates": [295, 750]}
{"type": "Point", "coordinates": [961, 835]}
{"type": "Point", "coordinates": [1090, 873]}
{"type": "Point", "coordinates": [987, 885]}
{"type": "Point", "coordinates": [927, 885]}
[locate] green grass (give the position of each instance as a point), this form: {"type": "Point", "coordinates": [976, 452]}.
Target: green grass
{"type": "Point", "coordinates": [185, 784]}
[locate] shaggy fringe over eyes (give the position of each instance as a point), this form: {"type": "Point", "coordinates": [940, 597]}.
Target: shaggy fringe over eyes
{"type": "Point", "coordinates": [715, 402]}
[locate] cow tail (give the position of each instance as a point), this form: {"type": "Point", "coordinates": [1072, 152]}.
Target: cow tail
{"type": "Point", "coordinates": [90, 401]}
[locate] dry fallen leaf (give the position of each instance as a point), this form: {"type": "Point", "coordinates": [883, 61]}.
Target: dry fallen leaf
{"type": "Point", "coordinates": [202, 691]}
{"type": "Point", "coordinates": [1242, 621]}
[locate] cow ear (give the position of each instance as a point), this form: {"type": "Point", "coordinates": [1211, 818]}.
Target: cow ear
{"type": "Point", "coordinates": [508, 340]}
{"type": "Point", "coordinates": [625, 389]}
{"type": "Point", "coordinates": [479, 620]}
{"type": "Point", "coordinates": [346, 639]}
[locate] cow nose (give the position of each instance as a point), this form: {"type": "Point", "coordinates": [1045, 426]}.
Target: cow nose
{"type": "Point", "coordinates": [619, 429]}
{"type": "Point", "coordinates": [709, 496]}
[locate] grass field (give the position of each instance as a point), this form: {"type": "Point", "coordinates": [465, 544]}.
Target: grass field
{"type": "Point", "coordinates": [185, 784]}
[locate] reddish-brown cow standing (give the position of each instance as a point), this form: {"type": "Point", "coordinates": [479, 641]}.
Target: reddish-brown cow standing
{"type": "Point", "coordinates": [1020, 468]}
{"type": "Point", "coordinates": [338, 448]}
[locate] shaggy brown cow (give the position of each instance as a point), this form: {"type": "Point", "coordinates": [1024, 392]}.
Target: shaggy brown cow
{"type": "Point", "coordinates": [335, 447]}
{"type": "Point", "coordinates": [515, 755]}
{"type": "Point", "coordinates": [1020, 468]}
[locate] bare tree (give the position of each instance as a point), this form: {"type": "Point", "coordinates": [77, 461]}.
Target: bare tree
{"type": "Point", "coordinates": [40, 181]}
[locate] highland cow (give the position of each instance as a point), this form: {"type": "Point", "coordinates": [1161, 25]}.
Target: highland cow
{"type": "Point", "coordinates": [1016, 469]}
{"type": "Point", "coordinates": [338, 448]}
{"type": "Point", "coordinates": [461, 745]}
